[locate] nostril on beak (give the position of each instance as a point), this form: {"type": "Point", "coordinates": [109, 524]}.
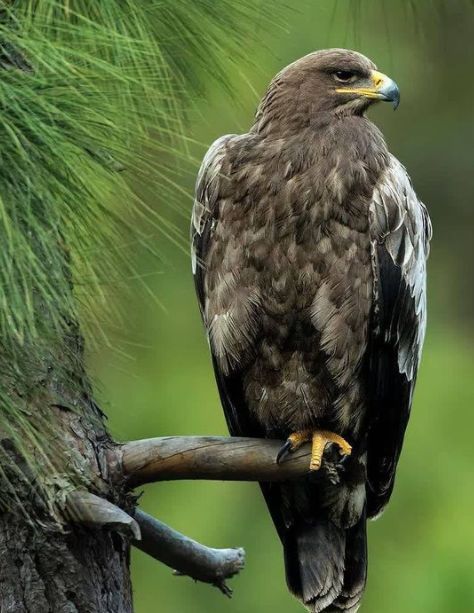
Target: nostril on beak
{"type": "Point", "coordinates": [378, 79]}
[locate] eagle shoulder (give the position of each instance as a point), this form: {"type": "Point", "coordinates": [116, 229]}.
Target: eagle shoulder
{"type": "Point", "coordinates": [206, 195]}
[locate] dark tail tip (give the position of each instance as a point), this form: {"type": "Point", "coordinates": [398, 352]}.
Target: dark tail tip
{"type": "Point", "coordinates": [326, 566]}
{"type": "Point", "coordinates": [314, 559]}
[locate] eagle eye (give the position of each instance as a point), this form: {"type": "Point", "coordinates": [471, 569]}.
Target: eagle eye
{"type": "Point", "coordinates": [345, 76]}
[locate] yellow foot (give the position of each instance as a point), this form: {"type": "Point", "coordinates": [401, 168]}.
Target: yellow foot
{"type": "Point", "coordinates": [319, 438]}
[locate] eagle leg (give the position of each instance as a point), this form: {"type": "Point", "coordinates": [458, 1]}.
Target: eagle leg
{"type": "Point", "coordinates": [319, 440]}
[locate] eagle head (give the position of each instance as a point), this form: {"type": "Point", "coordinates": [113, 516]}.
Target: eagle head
{"type": "Point", "coordinates": [325, 83]}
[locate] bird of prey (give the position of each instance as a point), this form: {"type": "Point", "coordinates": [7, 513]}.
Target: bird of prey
{"type": "Point", "coordinates": [309, 250]}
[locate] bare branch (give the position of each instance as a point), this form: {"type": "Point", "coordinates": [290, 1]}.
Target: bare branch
{"type": "Point", "coordinates": [187, 557]}
{"type": "Point", "coordinates": [85, 508]}
{"type": "Point", "coordinates": [208, 457]}
{"type": "Point", "coordinates": [203, 457]}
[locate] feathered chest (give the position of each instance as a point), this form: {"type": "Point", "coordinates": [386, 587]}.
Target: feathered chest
{"type": "Point", "coordinates": [290, 252]}
{"type": "Point", "coordinates": [291, 216]}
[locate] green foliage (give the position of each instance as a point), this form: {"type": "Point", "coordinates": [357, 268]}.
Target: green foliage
{"type": "Point", "coordinates": [92, 97]}
{"type": "Point", "coordinates": [104, 78]}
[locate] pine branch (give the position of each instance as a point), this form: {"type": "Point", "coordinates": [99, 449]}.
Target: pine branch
{"type": "Point", "coordinates": [204, 457]}
{"type": "Point", "coordinates": [207, 457]}
{"type": "Point", "coordinates": [186, 556]}
{"type": "Point", "coordinates": [85, 508]}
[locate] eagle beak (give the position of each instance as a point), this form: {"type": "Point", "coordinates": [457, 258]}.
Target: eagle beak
{"type": "Point", "coordinates": [385, 88]}
{"type": "Point", "coordinates": [381, 88]}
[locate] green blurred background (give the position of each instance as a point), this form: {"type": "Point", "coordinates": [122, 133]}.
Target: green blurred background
{"type": "Point", "coordinates": [155, 377]}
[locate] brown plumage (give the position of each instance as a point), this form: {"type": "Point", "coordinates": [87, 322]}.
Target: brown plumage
{"type": "Point", "coordinates": [309, 249]}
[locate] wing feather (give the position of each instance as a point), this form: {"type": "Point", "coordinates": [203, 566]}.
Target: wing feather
{"type": "Point", "coordinates": [400, 232]}
{"type": "Point", "coordinates": [204, 218]}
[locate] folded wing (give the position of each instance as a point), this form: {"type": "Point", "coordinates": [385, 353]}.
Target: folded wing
{"type": "Point", "coordinates": [400, 232]}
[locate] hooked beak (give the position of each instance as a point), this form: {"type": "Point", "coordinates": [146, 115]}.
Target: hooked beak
{"type": "Point", "coordinates": [381, 88]}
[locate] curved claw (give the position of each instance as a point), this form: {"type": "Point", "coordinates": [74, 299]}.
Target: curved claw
{"type": "Point", "coordinates": [284, 451]}
{"type": "Point", "coordinates": [343, 458]}
{"type": "Point", "coordinates": [342, 463]}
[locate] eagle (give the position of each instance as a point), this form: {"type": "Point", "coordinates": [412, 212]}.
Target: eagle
{"type": "Point", "coordinates": [309, 249]}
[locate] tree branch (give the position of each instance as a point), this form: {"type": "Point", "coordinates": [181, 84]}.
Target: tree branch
{"type": "Point", "coordinates": [208, 457]}
{"type": "Point", "coordinates": [85, 508]}
{"type": "Point", "coordinates": [187, 557]}
{"type": "Point", "coordinates": [203, 457]}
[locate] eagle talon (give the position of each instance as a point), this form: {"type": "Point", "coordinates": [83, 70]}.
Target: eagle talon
{"type": "Point", "coordinates": [293, 442]}
{"type": "Point", "coordinates": [285, 449]}
{"type": "Point", "coordinates": [343, 459]}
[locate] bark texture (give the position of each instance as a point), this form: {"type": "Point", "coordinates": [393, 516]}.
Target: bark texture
{"type": "Point", "coordinates": [42, 571]}
{"type": "Point", "coordinates": [208, 457]}
{"type": "Point", "coordinates": [46, 568]}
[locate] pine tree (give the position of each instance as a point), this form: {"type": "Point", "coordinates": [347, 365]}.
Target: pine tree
{"type": "Point", "coordinates": [92, 98]}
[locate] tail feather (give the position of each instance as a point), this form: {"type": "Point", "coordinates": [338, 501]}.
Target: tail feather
{"type": "Point", "coordinates": [314, 560]}
{"type": "Point", "coordinates": [326, 566]}
{"type": "Point", "coordinates": [355, 574]}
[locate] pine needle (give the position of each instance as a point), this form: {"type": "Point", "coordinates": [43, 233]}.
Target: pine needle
{"type": "Point", "coordinates": [92, 102]}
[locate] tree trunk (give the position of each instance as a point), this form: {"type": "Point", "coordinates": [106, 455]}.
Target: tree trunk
{"type": "Point", "coordinates": [45, 564]}
{"type": "Point", "coordinates": [43, 571]}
